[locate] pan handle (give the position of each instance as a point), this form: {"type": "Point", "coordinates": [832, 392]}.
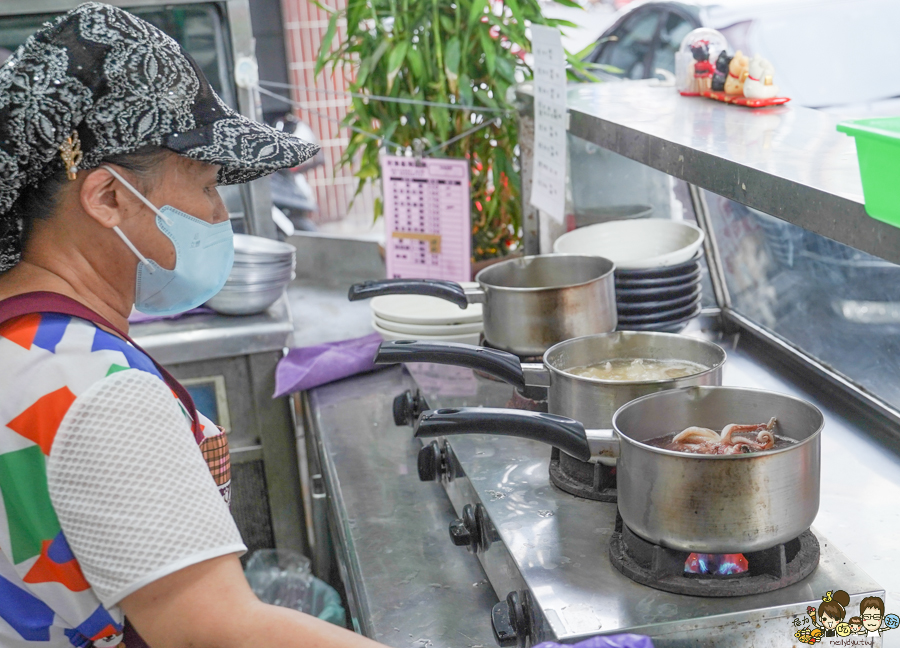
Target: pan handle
{"type": "Point", "coordinates": [564, 433]}
{"type": "Point", "coordinates": [447, 290]}
{"type": "Point", "coordinates": [499, 364]}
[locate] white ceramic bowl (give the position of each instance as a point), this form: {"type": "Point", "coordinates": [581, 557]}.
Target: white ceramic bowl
{"type": "Point", "coordinates": [466, 338]}
{"type": "Point", "coordinates": [634, 244]}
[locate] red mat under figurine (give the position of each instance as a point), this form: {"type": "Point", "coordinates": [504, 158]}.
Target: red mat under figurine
{"type": "Point", "coordinates": [738, 100]}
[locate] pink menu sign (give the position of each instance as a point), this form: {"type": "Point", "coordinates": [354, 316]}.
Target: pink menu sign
{"type": "Point", "coordinates": [426, 213]}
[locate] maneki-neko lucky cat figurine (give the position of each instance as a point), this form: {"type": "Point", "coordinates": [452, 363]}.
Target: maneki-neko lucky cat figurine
{"type": "Point", "coordinates": [759, 79]}
{"type": "Point", "coordinates": [721, 73]}
{"type": "Point", "coordinates": [737, 74]}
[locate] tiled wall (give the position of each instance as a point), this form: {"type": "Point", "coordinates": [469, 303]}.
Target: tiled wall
{"type": "Point", "coordinates": [304, 25]}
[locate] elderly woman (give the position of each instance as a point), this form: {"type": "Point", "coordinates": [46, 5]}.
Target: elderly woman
{"type": "Point", "coordinates": [112, 522]}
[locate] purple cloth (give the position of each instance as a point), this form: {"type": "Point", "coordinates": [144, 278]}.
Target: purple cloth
{"type": "Point", "coordinates": [137, 317]}
{"type": "Point", "coordinates": [612, 641]}
{"type": "Point", "coordinates": [317, 365]}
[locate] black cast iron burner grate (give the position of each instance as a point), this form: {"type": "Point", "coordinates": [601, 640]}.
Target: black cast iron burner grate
{"type": "Point", "coordinates": [663, 569]}
{"type": "Point", "coordinates": [592, 481]}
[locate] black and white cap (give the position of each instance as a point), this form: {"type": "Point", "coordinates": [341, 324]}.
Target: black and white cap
{"type": "Point", "coordinates": [121, 84]}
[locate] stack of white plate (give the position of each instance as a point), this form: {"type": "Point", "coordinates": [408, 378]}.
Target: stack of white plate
{"type": "Point", "coordinates": [262, 269]}
{"type": "Point", "coordinates": [429, 319]}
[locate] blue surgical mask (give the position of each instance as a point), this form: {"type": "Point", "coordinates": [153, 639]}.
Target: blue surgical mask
{"type": "Point", "coordinates": [204, 254]}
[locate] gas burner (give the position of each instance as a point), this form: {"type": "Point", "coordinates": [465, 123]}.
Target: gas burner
{"type": "Point", "coordinates": [672, 571]}
{"type": "Point", "coordinates": [593, 481]}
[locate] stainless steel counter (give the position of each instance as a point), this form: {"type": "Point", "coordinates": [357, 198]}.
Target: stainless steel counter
{"type": "Point", "coordinates": [207, 337]}
{"type": "Point", "coordinates": [323, 314]}
{"type": "Point", "coordinates": [407, 585]}
{"type": "Point", "coordinates": [786, 161]}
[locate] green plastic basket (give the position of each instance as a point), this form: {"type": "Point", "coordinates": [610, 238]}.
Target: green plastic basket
{"type": "Point", "coordinates": [878, 150]}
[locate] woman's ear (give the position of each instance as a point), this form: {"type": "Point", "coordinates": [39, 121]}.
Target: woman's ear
{"type": "Point", "coordinates": [105, 200]}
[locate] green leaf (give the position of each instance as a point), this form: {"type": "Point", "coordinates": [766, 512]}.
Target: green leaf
{"type": "Point", "coordinates": [395, 60]}
{"type": "Point", "coordinates": [368, 171]}
{"type": "Point", "coordinates": [414, 57]}
{"type": "Point", "coordinates": [506, 69]}
{"type": "Point", "coordinates": [441, 120]}
{"type": "Point", "coordinates": [578, 70]}
{"type": "Point", "coordinates": [476, 12]}
{"type": "Point", "coordinates": [485, 100]}
{"type": "Point", "coordinates": [587, 50]}
{"type": "Point", "coordinates": [388, 133]}
{"type": "Point", "coordinates": [490, 54]}
{"type": "Point", "coordinates": [516, 11]}
{"type": "Point", "coordinates": [569, 3]}
{"type": "Point", "coordinates": [465, 90]}
{"type": "Point", "coordinates": [451, 56]}
{"type": "Point", "coordinates": [447, 25]}
{"type": "Point", "coordinates": [558, 22]}
{"type": "Point", "coordinates": [379, 209]}
{"type": "Point", "coordinates": [451, 64]}
{"type": "Point", "coordinates": [325, 47]}
{"type": "Point", "coordinates": [370, 63]}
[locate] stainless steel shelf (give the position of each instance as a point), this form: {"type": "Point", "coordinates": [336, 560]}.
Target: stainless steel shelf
{"type": "Point", "coordinates": [788, 161]}
{"type": "Point", "coordinates": [207, 337]}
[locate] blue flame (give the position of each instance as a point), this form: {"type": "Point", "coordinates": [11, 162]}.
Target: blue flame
{"type": "Point", "coordinates": [716, 564]}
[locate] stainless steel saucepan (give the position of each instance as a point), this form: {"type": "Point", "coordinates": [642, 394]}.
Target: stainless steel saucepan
{"type": "Point", "coordinates": [530, 303]}
{"type": "Point", "coordinates": [590, 400]}
{"type": "Point", "coordinates": [689, 502]}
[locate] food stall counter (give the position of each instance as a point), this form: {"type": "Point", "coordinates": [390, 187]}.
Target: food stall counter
{"type": "Point", "coordinates": [409, 586]}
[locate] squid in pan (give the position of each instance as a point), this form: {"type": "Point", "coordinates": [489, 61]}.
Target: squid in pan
{"type": "Point", "coordinates": [734, 439]}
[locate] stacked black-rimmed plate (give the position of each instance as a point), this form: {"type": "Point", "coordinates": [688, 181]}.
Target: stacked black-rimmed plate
{"type": "Point", "coordinates": [657, 268]}
{"type": "Point", "coordinates": [659, 299]}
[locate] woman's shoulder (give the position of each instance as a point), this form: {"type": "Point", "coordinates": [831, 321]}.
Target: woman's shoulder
{"type": "Point", "coordinates": [49, 360]}
{"type": "Point", "coordinates": [61, 339]}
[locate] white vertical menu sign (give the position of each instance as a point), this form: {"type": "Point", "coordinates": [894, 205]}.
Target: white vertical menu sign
{"type": "Point", "coordinates": [548, 186]}
{"type": "Point", "coordinates": [427, 216]}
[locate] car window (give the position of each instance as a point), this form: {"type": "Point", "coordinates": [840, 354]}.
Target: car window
{"type": "Point", "coordinates": [630, 43]}
{"type": "Point", "coordinates": [674, 28]}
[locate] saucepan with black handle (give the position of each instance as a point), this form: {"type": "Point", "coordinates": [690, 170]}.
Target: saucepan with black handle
{"type": "Point", "coordinates": [530, 303]}
{"type": "Point", "coordinates": [708, 503]}
{"type": "Point", "coordinates": [590, 400]}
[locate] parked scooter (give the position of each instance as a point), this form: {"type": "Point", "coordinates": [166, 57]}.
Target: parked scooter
{"type": "Point", "coordinates": [293, 198]}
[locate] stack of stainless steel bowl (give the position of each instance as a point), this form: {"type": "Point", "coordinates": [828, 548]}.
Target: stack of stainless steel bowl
{"type": "Point", "coordinates": [262, 269]}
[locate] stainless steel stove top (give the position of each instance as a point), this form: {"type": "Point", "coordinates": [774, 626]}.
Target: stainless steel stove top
{"type": "Point", "coordinates": [551, 549]}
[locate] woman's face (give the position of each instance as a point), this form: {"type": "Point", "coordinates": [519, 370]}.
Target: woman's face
{"type": "Point", "coordinates": [186, 185]}
{"type": "Point", "coordinates": [828, 622]}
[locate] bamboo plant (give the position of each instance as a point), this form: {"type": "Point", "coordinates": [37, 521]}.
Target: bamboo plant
{"type": "Point", "coordinates": [462, 52]}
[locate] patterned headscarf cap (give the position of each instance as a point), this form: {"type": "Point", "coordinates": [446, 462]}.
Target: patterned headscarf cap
{"type": "Point", "coordinates": [120, 84]}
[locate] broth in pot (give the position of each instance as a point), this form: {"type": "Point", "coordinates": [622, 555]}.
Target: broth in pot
{"type": "Point", "coordinates": [638, 370]}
